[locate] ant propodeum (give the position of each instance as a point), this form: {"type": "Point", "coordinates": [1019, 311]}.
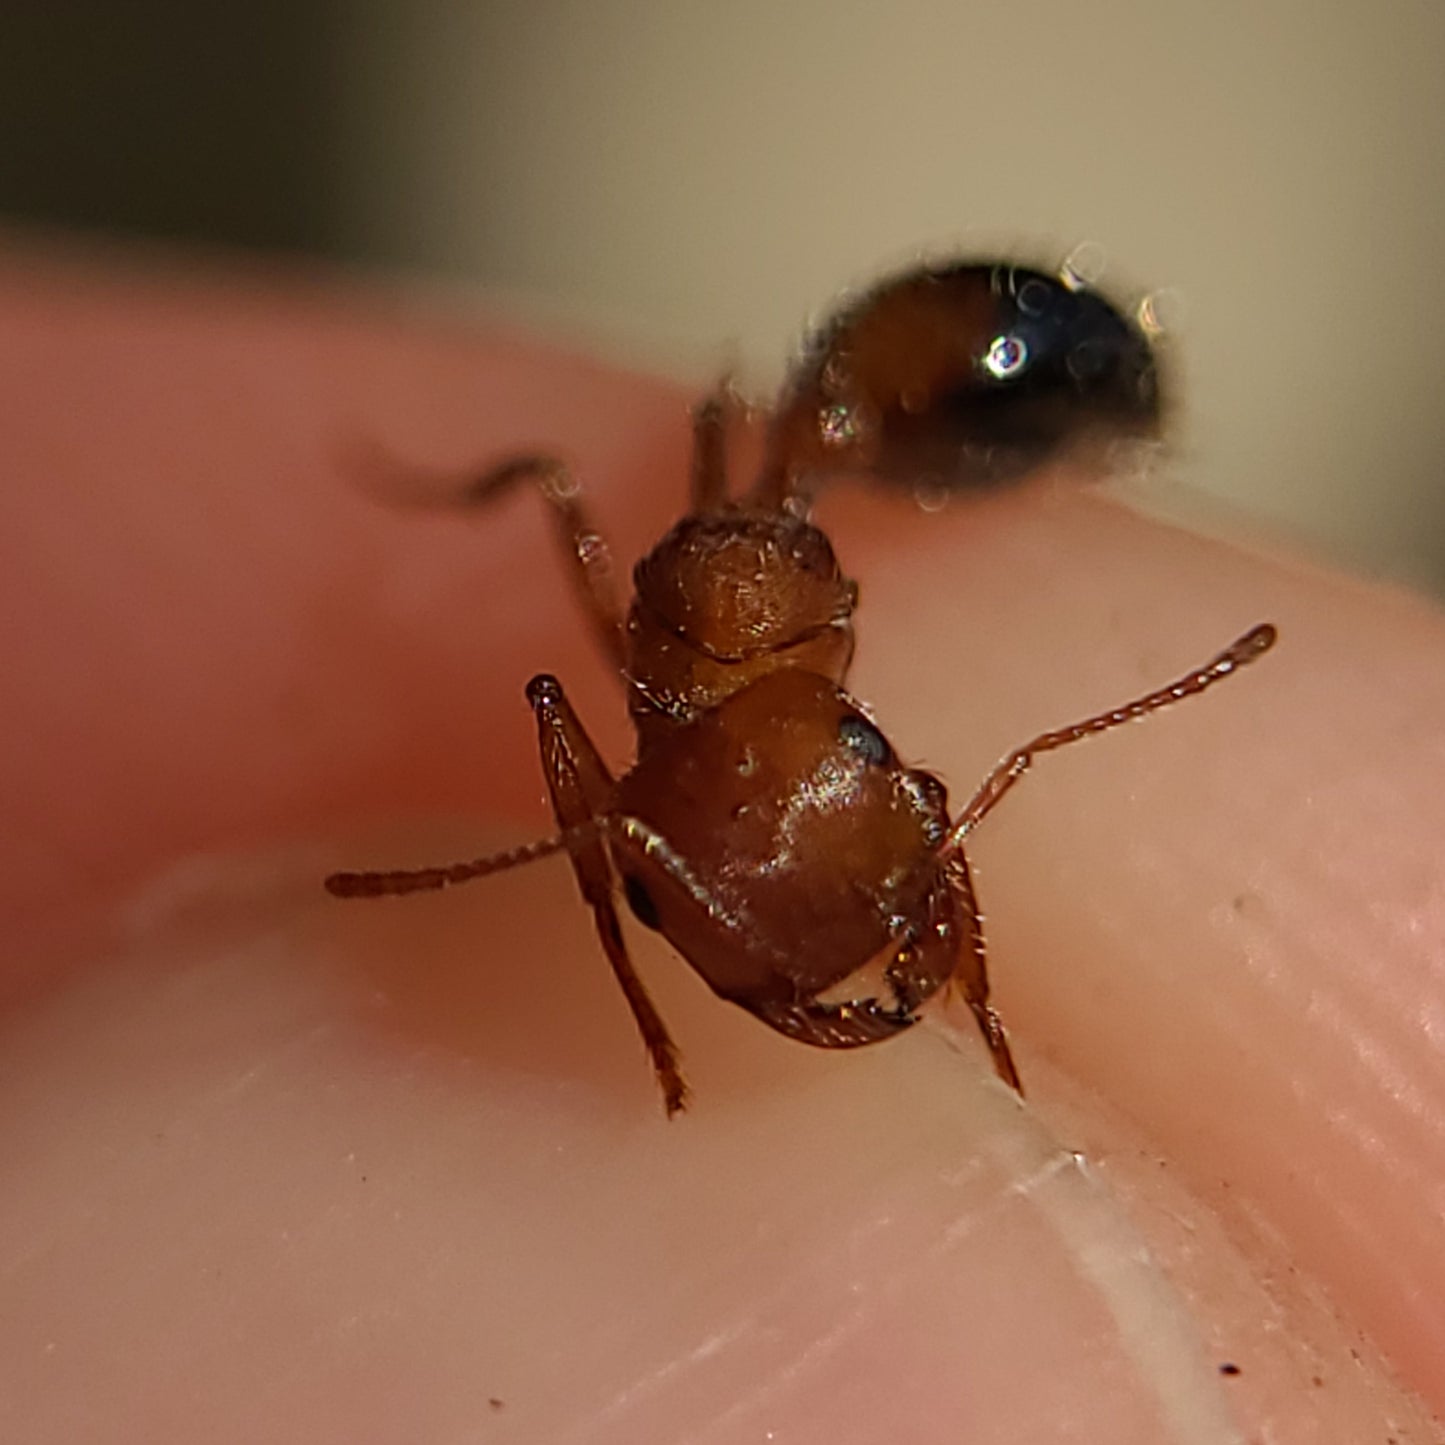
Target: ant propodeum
{"type": "Point", "coordinates": [767, 829]}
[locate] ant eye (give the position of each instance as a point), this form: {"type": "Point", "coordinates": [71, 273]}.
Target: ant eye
{"type": "Point", "coordinates": [859, 735]}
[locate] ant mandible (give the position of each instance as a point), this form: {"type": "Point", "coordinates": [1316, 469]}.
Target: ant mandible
{"type": "Point", "coordinates": [767, 829]}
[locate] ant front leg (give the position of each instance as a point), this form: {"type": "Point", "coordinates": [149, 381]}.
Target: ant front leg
{"type": "Point", "coordinates": [970, 975]}
{"type": "Point", "coordinates": [581, 789]}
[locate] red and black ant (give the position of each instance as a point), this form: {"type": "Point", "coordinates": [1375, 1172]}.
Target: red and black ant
{"type": "Point", "coordinates": [767, 829]}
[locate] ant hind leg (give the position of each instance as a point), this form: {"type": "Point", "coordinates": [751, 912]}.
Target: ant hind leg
{"type": "Point", "coordinates": [710, 420]}
{"type": "Point", "coordinates": [590, 564]}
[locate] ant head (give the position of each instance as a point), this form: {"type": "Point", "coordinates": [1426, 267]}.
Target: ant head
{"type": "Point", "coordinates": [777, 840]}
{"type": "Point", "coordinates": [966, 375]}
{"type": "Point", "coordinates": [727, 596]}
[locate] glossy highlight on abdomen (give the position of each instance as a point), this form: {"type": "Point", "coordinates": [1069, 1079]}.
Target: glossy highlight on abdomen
{"type": "Point", "coordinates": [964, 375]}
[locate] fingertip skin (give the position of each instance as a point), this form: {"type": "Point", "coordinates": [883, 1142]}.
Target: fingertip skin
{"type": "Point", "coordinates": [1225, 920]}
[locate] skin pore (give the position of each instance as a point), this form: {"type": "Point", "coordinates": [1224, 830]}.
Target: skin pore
{"type": "Point", "coordinates": [283, 1168]}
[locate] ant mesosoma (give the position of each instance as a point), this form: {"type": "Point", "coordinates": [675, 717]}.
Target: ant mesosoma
{"type": "Point", "coordinates": [767, 829]}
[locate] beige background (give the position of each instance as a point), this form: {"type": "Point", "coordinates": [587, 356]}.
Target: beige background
{"type": "Point", "coordinates": [707, 173]}
{"type": "Point", "coordinates": [700, 177]}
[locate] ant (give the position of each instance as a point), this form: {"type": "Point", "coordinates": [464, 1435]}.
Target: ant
{"type": "Point", "coordinates": [767, 829]}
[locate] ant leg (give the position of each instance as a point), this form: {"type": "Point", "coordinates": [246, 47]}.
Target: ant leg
{"type": "Point", "coordinates": [779, 488]}
{"type": "Point", "coordinates": [590, 559]}
{"type": "Point", "coordinates": [1244, 650]}
{"type": "Point", "coordinates": [971, 973]}
{"type": "Point", "coordinates": [710, 418]}
{"type": "Point", "coordinates": [581, 789]}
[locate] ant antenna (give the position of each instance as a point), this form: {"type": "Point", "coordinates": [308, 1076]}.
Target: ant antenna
{"type": "Point", "coordinates": [1255, 643]}
{"type": "Point", "coordinates": [417, 880]}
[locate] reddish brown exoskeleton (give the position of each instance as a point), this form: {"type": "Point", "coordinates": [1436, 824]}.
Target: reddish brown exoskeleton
{"type": "Point", "coordinates": [965, 376]}
{"type": "Point", "coordinates": [767, 829]}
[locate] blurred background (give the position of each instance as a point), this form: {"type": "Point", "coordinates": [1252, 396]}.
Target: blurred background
{"type": "Point", "coordinates": [691, 182]}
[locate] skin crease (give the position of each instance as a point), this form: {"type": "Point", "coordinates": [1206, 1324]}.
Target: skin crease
{"type": "Point", "coordinates": [279, 1167]}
